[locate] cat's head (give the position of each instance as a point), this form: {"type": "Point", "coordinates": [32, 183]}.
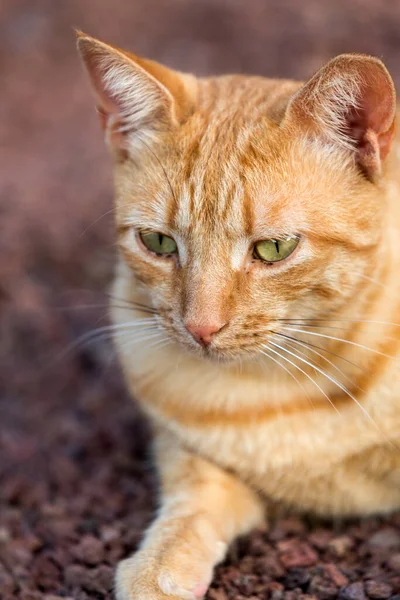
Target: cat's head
{"type": "Point", "coordinates": [241, 201]}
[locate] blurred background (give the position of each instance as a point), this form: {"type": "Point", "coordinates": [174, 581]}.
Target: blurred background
{"type": "Point", "coordinates": [73, 450]}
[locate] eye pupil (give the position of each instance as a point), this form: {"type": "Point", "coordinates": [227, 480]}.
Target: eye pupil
{"type": "Point", "coordinates": [276, 246]}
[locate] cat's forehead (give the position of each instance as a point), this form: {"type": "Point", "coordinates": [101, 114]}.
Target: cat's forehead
{"type": "Point", "coordinates": [229, 172]}
{"type": "Point", "coordinates": [217, 169]}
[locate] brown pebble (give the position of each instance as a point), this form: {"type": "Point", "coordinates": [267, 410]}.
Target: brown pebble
{"type": "Point", "coordinates": [296, 578]}
{"type": "Point", "coordinates": [32, 542]}
{"type": "Point", "coordinates": [290, 595]}
{"type": "Point", "coordinates": [394, 562]}
{"type": "Point", "coordinates": [269, 565]}
{"type": "Point", "coordinates": [7, 583]}
{"type": "Point", "coordinates": [378, 590]}
{"type": "Point", "coordinates": [387, 538]}
{"type": "Point", "coordinates": [395, 583]}
{"type": "Point", "coordinates": [354, 591]}
{"type": "Point", "coordinates": [320, 538]}
{"type": "Point", "coordinates": [52, 510]}
{"type": "Point", "coordinates": [275, 585]}
{"type": "Point", "coordinates": [90, 550]}
{"type": "Point", "coordinates": [323, 588]}
{"type": "Point", "coordinates": [277, 595]}
{"type": "Point", "coordinates": [110, 534]}
{"type": "Point", "coordinates": [53, 597]}
{"type": "Point", "coordinates": [75, 575]}
{"type": "Point", "coordinates": [336, 576]}
{"type": "Point", "coordinates": [19, 552]}
{"type": "Point", "coordinates": [341, 545]}
{"type": "Point", "coordinates": [99, 580]}
{"type": "Point", "coordinates": [26, 594]}
{"type": "Point", "coordinates": [45, 572]}
{"type": "Point", "coordinates": [294, 553]}
{"type": "Point", "coordinates": [5, 535]}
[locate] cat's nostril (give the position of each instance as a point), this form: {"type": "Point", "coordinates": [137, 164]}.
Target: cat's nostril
{"type": "Point", "coordinates": [203, 333]}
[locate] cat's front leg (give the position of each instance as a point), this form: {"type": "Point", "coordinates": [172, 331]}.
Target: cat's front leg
{"type": "Point", "coordinates": [202, 510]}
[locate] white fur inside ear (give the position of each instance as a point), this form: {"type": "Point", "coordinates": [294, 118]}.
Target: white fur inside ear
{"type": "Point", "coordinates": [332, 101]}
{"type": "Point", "coordinates": [132, 103]}
{"type": "Point", "coordinates": [135, 95]}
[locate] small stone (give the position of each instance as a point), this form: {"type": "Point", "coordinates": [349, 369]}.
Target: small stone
{"type": "Point", "coordinates": [336, 576]}
{"type": "Point", "coordinates": [19, 552]}
{"type": "Point", "coordinates": [245, 583]}
{"type": "Point", "coordinates": [109, 534]}
{"type": "Point", "coordinates": [341, 545]}
{"type": "Point", "coordinates": [275, 585]}
{"type": "Point", "coordinates": [291, 595]}
{"type": "Point", "coordinates": [45, 572]}
{"type": "Point", "coordinates": [99, 580]}
{"type": "Point", "coordinates": [7, 583]}
{"type": "Point", "coordinates": [33, 543]}
{"type": "Point", "coordinates": [378, 590]}
{"type": "Point", "coordinates": [269, 565]}
{"type": "Point", "coordinates": [395, 583]}
{"type": "Point", "coordinates": [75, 575]}
{"type": "Point", "coordinates": [385, 539]}
{"type": "Point", "coordinates": [296, 578]}
{"type": "Point", "coordinates": [394, 562]}
{"type": "Point", "coordinates": [320, 538]}
{"type": "Point", "coordinates": [26, 594]}
{"type": "Point", "coordinates": [90, 550]}
{"type": "Point", "coordinates": [354, 591]}
{"type": "Point", "coordinates": [295, 553]}
{"type": "Point", "coordinates": [323, 588]}
{"type": "Point", "coordinates": [5, 535]}
{"type": "Point", "coordinates": [52, 510]}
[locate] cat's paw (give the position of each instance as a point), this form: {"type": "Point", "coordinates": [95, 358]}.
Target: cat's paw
{"type": "Point", "coordinates": [167, 575]}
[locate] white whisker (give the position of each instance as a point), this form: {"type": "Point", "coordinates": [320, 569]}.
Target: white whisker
{"type": "Point", "coordinates": [327, 320]}
{"type": "Point", "coordinates": [337, 328]}
{"type": "Point", "coordinates": [275, 360]}
{"type": "Point", "coordinates": [333, 380]}
{"type": "Point", "coordinates": [330, 337]}
{"type": "Point", "coordinates": [133, 339]}
{"type": "Point", "coordinates": [293, 341]}
{"type": "Point", "coordinates": [304, 373]}
{"type": "Point", "coordinates": [107, 329]}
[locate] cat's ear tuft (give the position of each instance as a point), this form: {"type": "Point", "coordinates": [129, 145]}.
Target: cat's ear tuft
{"type": "Point", "coordinates": [351, 102]}
{"type": "Point", "coordinates": [136, 98]}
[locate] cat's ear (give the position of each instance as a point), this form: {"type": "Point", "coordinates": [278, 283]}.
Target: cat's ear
{"type": "Point", "coordinates": [351, 102]}
{"type": "Point", "coordinates": [136, 98]}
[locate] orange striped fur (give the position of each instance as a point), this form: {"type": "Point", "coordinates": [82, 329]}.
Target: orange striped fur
{"type": "Point", "coordinates": [294, 397]}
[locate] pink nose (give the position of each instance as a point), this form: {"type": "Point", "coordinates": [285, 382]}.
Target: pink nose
{"type": "Point", "coordinates": [203, 333]}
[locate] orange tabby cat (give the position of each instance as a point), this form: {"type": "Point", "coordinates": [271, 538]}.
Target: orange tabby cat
{"type": "Point", "coordinates": [258, 223]}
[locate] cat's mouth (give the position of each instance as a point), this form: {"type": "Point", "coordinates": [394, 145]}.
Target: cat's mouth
{"type": "Point", "coordinates": [226, 353]}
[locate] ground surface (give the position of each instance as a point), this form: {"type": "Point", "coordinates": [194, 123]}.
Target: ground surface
{"type": "Point", "coordinates": [76, 485]}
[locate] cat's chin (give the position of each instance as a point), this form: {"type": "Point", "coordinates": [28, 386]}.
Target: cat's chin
{"type": "Point", "coordinates": [225, 356]}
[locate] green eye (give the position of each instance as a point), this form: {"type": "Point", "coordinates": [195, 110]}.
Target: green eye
{"type": "Point", "coordinates": [158, 243]}
{"type": "Point", "coordinates": [275, 250]}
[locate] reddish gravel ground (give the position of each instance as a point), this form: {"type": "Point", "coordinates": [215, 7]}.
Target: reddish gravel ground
{"type": "Point", "coordinates": [76, 481]}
